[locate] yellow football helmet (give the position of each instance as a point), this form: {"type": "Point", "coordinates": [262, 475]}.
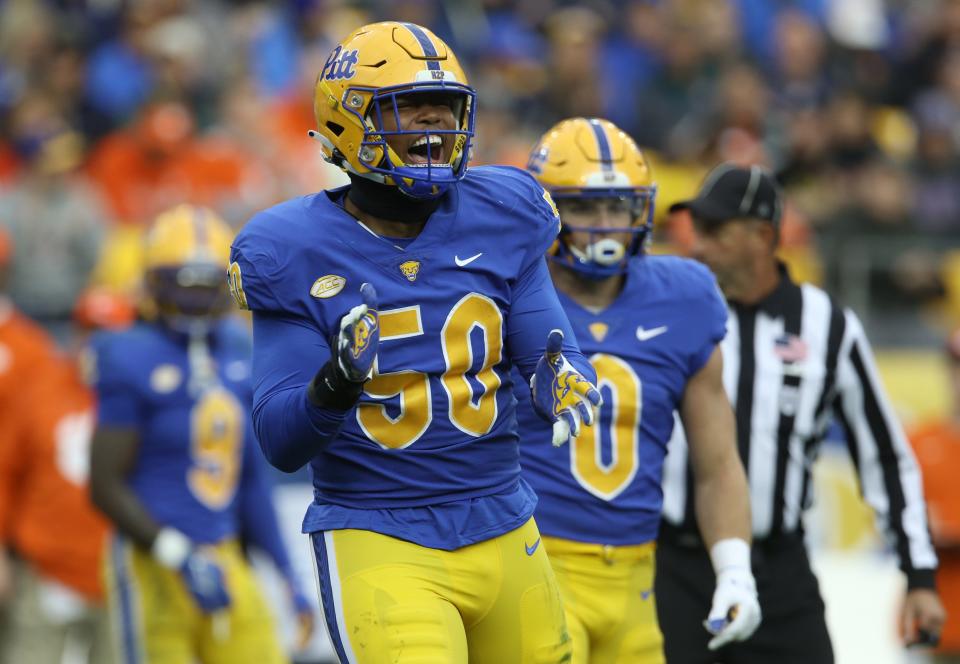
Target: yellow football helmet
{"type": "Point", "coordinates": [362, 79]}
{"type": "Point", "coordinates": [590, 158]}
{"type": "Point", "coordinates": [186, 253]}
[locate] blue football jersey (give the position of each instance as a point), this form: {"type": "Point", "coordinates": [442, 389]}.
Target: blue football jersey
{"type": "Point", "coordinates": [429, 454]}
{"type": "Point", "coordinates": [194, 443]}
{"type": "Point", "coordinates": [661, 330]}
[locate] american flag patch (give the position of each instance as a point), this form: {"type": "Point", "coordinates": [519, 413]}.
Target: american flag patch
{"type": "Point", "coordinates": [790, 348]}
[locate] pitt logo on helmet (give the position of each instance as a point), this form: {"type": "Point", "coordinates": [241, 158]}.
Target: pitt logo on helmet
{"type": "Point", "coordinates": [340, 65]}
{"type": "Point", "coordinates": [410, 269]}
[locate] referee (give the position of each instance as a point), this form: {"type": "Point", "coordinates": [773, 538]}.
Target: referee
{"type": "Point", "coordinates": [792, 358]}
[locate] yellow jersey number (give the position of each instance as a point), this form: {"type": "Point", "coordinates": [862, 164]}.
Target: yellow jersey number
{"type": "Point", "coordinates": [216, 444]}
{"type": "Point", "coordinates": [608, 480]}
{"type": "Point", "coordinates": [474, 415]}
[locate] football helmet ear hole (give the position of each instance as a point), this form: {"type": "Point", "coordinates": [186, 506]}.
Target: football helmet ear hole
{"type": "Point", "coordinates": [335, 128]}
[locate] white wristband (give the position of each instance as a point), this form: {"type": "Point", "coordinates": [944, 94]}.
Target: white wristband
{"type": "Point", "coordinates": [730, 553]}
{"type": "Point", "coordinates": [171, 548]}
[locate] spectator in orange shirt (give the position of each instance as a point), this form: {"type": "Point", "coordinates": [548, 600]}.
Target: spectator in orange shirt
{"type": "Point", "coordinates": [51, 538]}
{"type": "Point", "coordinates": [937, 445]}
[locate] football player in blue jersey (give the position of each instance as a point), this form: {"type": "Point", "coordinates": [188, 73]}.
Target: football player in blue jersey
{"type": "Point", "coordinates": [175, 468]}
{"type": "Point", "coordinates": [650, 326]}
{"type": "Point", "coordinates": [387, 315]}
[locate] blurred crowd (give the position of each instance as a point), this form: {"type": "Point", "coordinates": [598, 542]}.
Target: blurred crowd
{"type": "Point", "coordinates": [112, 110]}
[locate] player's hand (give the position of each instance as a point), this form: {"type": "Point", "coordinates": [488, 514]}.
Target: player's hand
{"type": "Point", "coordinates": [359, 337]}
{"type": "Point", "coordinates": [735, 614]}
{"type": "Point", "coordinates": [303, 607]}
{"type": "Point", "coordinates": [561, 394]}
{"type": "Point", "coordinates": [923, 616]}
{"type": "Point", "coordinates": [205, 581]}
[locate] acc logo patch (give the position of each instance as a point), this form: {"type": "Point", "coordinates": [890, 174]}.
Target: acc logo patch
{"type": "Point", "coordinates": [410, 269]}
{"type": "Point", "coordinates": [235, 281]}
{"type": "Point", "coordinates": [166, 378]}
{"type": "Point", "coordinates": [327, 286]}
{"type": "Point", "coordinates": [340, 65]}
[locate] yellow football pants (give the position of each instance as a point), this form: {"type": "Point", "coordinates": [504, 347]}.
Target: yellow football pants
{"type": "Point", "coordinates": [391, 601]}
{"type": "Point", "coordinates": [157, 622]}
{"type": "Point", "coordinates": [608, 599]}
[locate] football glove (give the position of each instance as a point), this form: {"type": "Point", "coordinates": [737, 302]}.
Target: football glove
{"type": "Point", "coordinates": [735, 613]}
{"type": "Point", "coordinates": [204, 579]}
{"type": "Point", "coordinates": [561, 395]}
{"type": "Point", "coordinates": [359, 337]}
{"type": "Point", "coordinates": [201, 574]}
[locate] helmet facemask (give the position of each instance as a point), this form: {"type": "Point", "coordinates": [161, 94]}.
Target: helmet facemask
{"type": "Point", "coordinates": [437, 157]}
{"type": "Point", "coordinates": [603, 256]}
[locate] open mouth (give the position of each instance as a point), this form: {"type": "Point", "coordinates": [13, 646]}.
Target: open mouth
{"type": "Point", "coordinates": [424, 150]}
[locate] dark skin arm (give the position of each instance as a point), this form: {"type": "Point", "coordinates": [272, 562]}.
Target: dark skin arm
{"type": "Point", "coordinates": [113, 453]}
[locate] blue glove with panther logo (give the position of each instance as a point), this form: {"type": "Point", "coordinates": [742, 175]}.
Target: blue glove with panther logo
{"type": "Point", "coordinates": [205, 581]}
{"type": "Point", "coordinates": [561, 394]}
{"type": "Point", "coordinates": [353, 349]}
{"type": "Point", "coordinates": [359, 337]}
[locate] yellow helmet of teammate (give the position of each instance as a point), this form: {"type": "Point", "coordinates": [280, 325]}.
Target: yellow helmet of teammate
{"type": "Point", "coordinates": [186, 252]}
{"type": "Point", "coordinates": [588, 158]}
{"type": "Point", "coordinates": [361, 83]}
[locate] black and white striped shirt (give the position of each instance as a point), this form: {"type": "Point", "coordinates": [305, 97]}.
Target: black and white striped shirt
{"type": "Point", "coordinates": [791, 362]}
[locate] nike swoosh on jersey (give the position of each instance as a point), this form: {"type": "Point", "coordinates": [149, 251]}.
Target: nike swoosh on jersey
{"type": "Point", "coordinates": [531, 549]}
{"type": "Point", "coordinates": [461, 262]}
{"type": "Point", "coordinates": [647, 335]}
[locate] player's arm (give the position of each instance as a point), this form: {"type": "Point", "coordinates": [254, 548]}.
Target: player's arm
{"type": "Point", "coordinates": [890, 479]}
{"type": "Point", "coordinates": [722, 502]}
{"type": "Point", "coordinates": [298, 408]}
{"type": "Point", "coordinates": [544, 349]}
{"type": "Point", "coordinates": [113, 452]}
{"type": "Point", "coordinates": [258, 521]}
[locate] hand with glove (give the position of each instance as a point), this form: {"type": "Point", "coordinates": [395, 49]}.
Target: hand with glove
{"type": "Point", "coordinates": [353, 349]}
{"type": "Point", "coordinates": [200, 572]}
{"type": "Point", "coordinates": [561, 394]}
{"type": "Point", "coordinates": [735, 613]}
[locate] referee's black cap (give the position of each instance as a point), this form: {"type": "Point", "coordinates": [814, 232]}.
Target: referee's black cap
{"type": "Point", "coordinates": [736, 192]}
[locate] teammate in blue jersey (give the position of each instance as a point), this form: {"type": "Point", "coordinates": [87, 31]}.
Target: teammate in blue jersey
{"type": "Point", "coordinates": [650, 326]}
{"type": "Point", "coordinates": [175, 468]}
{"type": "Point", "coordinates": [429, 279]}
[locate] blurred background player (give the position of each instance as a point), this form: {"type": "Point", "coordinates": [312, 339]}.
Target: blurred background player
{"type": "Point", "coordinates": [650, 326]}
{"type": "Point", "coordinates": [52, 537]}
{"type": "Point", "coordinates": [937, 445]}
{"type": "Point", "coordinates": [792, 357]}
{"type": "Point", "coordinates": [175, 468]}
{"type": "Point", "coordinates": [428, 279]}
{"type": "Point", "coordinates": [26, 351]}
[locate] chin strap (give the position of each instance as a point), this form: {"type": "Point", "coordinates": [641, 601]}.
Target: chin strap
{"type": "Point", "coordinates": [388, 202]}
